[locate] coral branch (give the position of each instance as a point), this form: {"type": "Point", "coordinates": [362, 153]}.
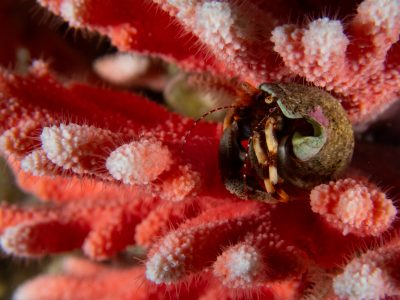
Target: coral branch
{"type": "Point", "coordinates": [195, 244]}
{"type": "Point", "coordinates": [57, 147]}
{"type": "Point", "coordinates": [103, 228]}
{"type": "Point", "coordinates": [38, 238]}
{"type": "Point", "coordinates": [71, 188]}
{"type": "Point", "coordinates": [111, 235]}
{"type": "Point", "coordinates": [82, 280]}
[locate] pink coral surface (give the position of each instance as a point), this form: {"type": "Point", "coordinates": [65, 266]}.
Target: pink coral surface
{"type": "Point", "coordinates": [113, 169]}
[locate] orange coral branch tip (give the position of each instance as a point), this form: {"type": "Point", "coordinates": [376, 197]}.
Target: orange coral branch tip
{"type": "Point", "coordinates": [353, 206]}
{"type": "Point", "coordinates": [373, 275]}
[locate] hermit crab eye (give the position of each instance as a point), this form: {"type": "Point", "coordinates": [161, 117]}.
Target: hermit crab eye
{"type": "Point", "coordinates": [284, 135]}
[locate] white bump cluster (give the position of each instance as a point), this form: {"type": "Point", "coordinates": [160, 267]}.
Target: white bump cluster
{"type": "Point", "coordinates": [122, 68]}
{"type": "Point", "coordinates": [239, 266]}
{"type": "Point", "coordinates": [37, 163]}
{"type": "Point", "coordinates": [383, 14]}
{"type": "Point", "coordinates": [177, 188]}
{"type": "Point", "coordinates": [167, 265]}
{"type": "Point", "coordinates": [139, 162]}
{"type": "Point", "coordinates": [353, 206]}
{"type": "Point", "coordinates": [214, 22]}
{"type": "Point", "coordinates": [13, 239]}
{"type": "Point", "coordinates": [67, 145]}
{"type": "Point", "coordinates": [323, 39]}
{"type": "Point", "coordinates": [360, 280]}
{"type": "Point", "coordinates": [71, 10]}
{"type": "Point", "coordinates": [19, 139]}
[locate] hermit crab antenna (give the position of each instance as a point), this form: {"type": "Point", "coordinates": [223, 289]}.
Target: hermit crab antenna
{"type": "Point", "coordinates": [184, 139]}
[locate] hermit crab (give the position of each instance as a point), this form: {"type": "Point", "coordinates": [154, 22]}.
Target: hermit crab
{"type": "Point", "coordinates": [282, 136]}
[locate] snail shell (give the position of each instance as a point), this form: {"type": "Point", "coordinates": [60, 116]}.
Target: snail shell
{"type": "Point", "coordinates": [306, 161]}
{"type": "Point", "coordinates": [315, 139]}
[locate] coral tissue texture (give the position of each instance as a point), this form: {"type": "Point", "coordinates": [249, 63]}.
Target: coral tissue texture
{"type": "Point", "coordinates": [114, 170]}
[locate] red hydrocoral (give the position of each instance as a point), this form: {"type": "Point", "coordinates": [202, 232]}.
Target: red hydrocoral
{"type": "Point", "coordinates": [110, 164]}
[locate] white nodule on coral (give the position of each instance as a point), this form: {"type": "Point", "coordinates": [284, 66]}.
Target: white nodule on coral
{"type": "Point", "coordinates": [177, 188]}
{"type": "Point", "coordinates": [10, 140]}
{"type": "Point", "coordinates": [353, 206]}
{"type": "Point", "coordinates": [371, 276]}
{"type": "Point", "coordinates": [239, 267]}
{"type": "Point", "coordinates": [71, 10]}
{"type": "Point", "coordinates": [121, 68]}
{"type": "Point", "coordinates": [383, 15]}
{"type": "Point", "coordinates": [167, 265]}
{"type": "Point", "coordinates": [39, 68]}
{"type": "Point", "coordinates": [37, 163]}
{"type": "Point", "coordinates": [325, 38]}
{"type": "Point", "coordinates": [13, 240]}
{"type": "Point", "coordinates": [20, 139]}
{"type": "Point", "coordinates": [213, 21]}
{"type": "Point", "coordinates": [139, 162]}
{"type": "Point", "coordinates": [68, 145]}
{"type": "Point", "coordinates": [361, 280]}
{"type": "Point", "coordinates": [236, 32]}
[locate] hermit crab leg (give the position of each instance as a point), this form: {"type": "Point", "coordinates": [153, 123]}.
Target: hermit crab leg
{"type": "Point", "coordinates": [260, 154]}
{"type": "Point", "coordinates": [262, 159]}
{"type": "Point", "coordinates": [272, 145]}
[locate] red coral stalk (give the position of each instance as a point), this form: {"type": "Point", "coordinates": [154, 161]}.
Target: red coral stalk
{"type": "Point", "coordinates": [102, 228]}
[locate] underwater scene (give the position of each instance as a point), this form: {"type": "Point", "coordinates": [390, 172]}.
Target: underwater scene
{"type": "Point", "coordinates": [199, 149]}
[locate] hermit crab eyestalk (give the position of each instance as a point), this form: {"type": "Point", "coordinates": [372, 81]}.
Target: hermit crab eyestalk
{"type": "Point", "coordinates": [283, 136]}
